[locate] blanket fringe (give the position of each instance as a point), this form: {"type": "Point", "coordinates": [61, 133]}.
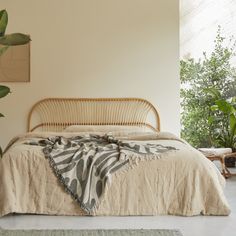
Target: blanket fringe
{"type": "Point", "coordinates": [67, 189]}
{"type": "Point", "coordinates": [134, 160]}
{"type": "Point", "coordinates": [130, 158]}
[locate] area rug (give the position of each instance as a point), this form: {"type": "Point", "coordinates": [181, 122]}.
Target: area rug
{"type": "Point", "coordinates": [116, 232]}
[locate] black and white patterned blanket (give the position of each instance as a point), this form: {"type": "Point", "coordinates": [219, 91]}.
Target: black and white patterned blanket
{"type": "Point", "coordinates": [84, 164]}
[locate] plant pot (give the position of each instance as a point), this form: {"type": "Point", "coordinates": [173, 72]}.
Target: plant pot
{"type": "Point", "coordinates": [230, 161]}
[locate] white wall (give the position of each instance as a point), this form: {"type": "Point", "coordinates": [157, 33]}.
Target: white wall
{"type": "Point", "coordinates": [96, 48]}
{"type": "Point", "coordinates": [199, 21]}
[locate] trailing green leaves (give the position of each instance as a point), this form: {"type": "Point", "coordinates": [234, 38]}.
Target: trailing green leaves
{"type": "Point", "coordinates": [3, 22]}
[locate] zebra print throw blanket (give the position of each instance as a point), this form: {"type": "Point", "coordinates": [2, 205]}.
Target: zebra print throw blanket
{"type": "Point", "coordinates": [84, 164]}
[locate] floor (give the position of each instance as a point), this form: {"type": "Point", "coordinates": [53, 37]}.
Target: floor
{"type": "Point", "coordinates": [189, 226]}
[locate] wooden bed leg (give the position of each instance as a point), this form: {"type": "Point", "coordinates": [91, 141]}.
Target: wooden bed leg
{"type": "Point", "coordinates": [224, 171]}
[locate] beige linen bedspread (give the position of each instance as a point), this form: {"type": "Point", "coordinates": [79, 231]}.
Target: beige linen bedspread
{"type": "Point", "coordinates": [181, 183]}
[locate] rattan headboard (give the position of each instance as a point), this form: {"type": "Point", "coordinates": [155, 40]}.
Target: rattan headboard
{"type": "Point", "coordinates": [54, 114]}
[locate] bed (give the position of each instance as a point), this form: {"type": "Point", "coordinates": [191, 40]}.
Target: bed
{"type": "Point", "coordinates": [178, 180]}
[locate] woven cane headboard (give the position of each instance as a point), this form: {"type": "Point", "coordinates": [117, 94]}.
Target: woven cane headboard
{"type": "Point", "coordinates": [54, 114]}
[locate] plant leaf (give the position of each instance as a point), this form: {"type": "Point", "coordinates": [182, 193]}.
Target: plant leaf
{"type": "Point", "coordinates": [232, 123]}
{"type": "Point", "coordinates": [4, 91]}
{"type": "Point", "coordinates": [1, 115]}
{"type": "Point", "coordinates": [215, 93]}
{"type": "Point", "coordinates": [211, 119]}
{"type": "Point", "coordinates": [214, 108]}
{"type": "Point", "coordinates": [3, 49]}
{"type": "Point", "coordinates": [224, 106]}
{"type": "Point", "coordinates": [3, 22]}
{"type": "Point", "coordinates": [15, 39]}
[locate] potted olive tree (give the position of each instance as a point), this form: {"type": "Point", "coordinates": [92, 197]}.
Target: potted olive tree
{"type": "Point", "coordinates": [7, 40]}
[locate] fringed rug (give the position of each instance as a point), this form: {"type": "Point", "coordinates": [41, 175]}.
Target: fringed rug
{"type": "Point", "coordinates": [116, 232]}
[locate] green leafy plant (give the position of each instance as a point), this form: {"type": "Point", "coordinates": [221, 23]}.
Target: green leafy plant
{"type": "Point", "coordinates": [200, 122]}
{"type": "Point", "coordinates": [224, 118]}
{"type": "Point", "coordinates": [7, 40]}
